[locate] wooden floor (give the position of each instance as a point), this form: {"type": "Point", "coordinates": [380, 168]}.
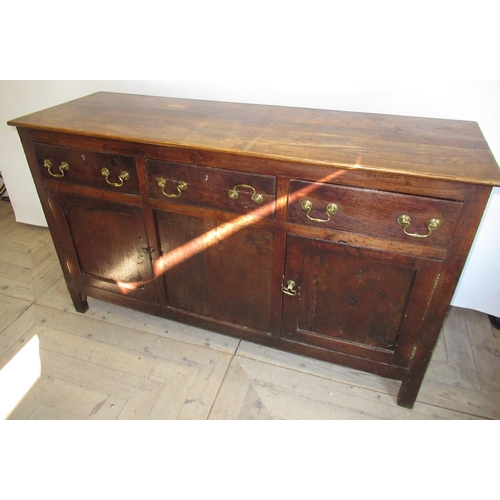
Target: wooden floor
{"type": "Point", "coordinates": [114, 363]}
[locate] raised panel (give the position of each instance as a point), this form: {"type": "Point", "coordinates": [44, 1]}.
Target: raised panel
{"type": "Point", "coordinates": [218, 270]}
{"type": "Point", "coordinates": [358, 301]}
{"type": "Point", "coordinates": [363, 300]}
{"type": "Point", "coordinates": [110, 246]}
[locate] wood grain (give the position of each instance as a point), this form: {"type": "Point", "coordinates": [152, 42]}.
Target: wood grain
{"type": "Point", "coordinates": [438, 148]}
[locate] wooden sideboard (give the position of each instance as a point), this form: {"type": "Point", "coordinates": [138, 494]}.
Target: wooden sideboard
{"type": "Point", "coordinates": [335, 235]}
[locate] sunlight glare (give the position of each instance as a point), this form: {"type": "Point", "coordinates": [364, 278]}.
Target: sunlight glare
{"type": "Point", "coordinates": [182, 253]}
{"type": "Point", "coordinates": [18, 376]}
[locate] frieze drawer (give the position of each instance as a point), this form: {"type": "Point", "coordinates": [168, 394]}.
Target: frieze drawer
{"type": "Point", "coordinates": [94, 169]}
{"type": "Point", "coordinates": [403, 217]}
{"type": "Point", "coordinates": [231, 190]}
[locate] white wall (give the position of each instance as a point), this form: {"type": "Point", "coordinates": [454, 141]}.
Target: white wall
{"type": "Point", "coordinates": [464, 100]}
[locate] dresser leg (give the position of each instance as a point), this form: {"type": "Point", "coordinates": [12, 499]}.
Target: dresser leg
{"type": "Point", "coordinates": [410, 386]}
{"type": "Point", "coordinates": [408, 393]}
{"type": "Point", "coordinates": [79, 300]}
{"type": "Point", "coordinates": [495, 321]}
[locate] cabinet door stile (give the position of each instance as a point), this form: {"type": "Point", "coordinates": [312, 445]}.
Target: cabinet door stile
{"type": "Point", "coordinates": [426, 279]}
{"type": "Point", "coordinates": [154, 253]}
{"type": "Point", "coordinates": [65, 248]}
{"type": "Point", "coordinates": [294, 264]}
{"type": "Point", "coordinates": [153, 239]}
{"type": "Point", "coordinates": [277, 295]}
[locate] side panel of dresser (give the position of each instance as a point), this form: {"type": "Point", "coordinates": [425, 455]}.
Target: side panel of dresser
{"type": "Point", "coordinates": [474, 204]}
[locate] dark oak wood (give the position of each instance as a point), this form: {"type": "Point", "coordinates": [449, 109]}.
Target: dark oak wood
{"type": "Point", "coordinates": [387, 181]}
{"type": "Point", "coordinates": [213, 270]}
{"type": "Point", "coordinates": [86, 167]}
{"type": "Point", "coordinates": [422, 147]}
{"type": "Point", "coordinates": [210, 187]}
{"type": "Point", "coordinates": [110, 247]}
{"type": "Point", "coordinates": [372, 212]}
{"type": "Point", "coordinates": [366, 294]}
{"type": "Point", "coordinates": [476, 198]}
{"type": "Point", "coordinates": [356, 300]}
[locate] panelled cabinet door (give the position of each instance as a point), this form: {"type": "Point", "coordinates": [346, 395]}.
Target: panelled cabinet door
{"type": "Point", "coordinates": [218, 271]}
{"type": "Point", "coordinates": [357, 301]}
{"type": "Point", "coordinates": [107, 245]}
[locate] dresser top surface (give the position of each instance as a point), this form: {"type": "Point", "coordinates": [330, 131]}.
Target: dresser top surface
{"type": "Point", "coordinates": [422, 147]}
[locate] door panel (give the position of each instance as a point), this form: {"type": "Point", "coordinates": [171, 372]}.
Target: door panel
{"type": "Point", "coordinates": [354, 300]}
{"type": "Point", "coordinates": [217, 271]}
{"type": "Point", "coordinates": [109, 245]}
{"type": "Point", "coordinates": [362, 298]}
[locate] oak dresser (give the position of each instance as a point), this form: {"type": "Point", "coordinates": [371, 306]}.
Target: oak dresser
{"type": "Point", "coordinates": [335, 235]}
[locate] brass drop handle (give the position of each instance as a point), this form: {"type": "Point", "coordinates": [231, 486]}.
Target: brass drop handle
{"type": "Point", "coordinates": [289, 289]}
{"type": "Point", "coordinates": [142, 256]}
{"type": "Point", "coordinates": [62, 168]}
{"type": "Point", "coordinates": [123, 176]}
{"type": "Point", "coordinates": [331, 209]}
{"type": "Point", "coordinates": [256, 197]}
{"type": "Point", "coordinates": [405, 220]}
{"type": "Point", "coordinates": [181, 186]}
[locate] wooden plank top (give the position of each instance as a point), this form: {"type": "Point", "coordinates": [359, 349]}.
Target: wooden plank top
{"type": "Point", "coordinates": [421, 147]}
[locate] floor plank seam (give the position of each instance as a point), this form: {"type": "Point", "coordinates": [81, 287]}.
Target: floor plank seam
{"type": "Point", "coordinates": [91, 362]}
{"type": "Point", "coordinates": [233, 355]}
{"type": "Point", "coordinates": [17, 317]}
{"type": "Point", "coordinates": [462, 412]}
{"type": "Point", "coordinates": [185, 342]}
{"type": "Point", "coordinates": [319, 375]}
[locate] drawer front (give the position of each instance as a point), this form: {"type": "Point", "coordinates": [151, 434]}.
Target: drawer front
{"type": "Point", "coordinates": [429, 221]}
{"type": "Point", "coordinates": [233, 191]}
{"type": "Point", "coordinates": [87, 168]}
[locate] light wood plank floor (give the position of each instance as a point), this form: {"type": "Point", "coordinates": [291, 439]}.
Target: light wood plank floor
{"type": "Point", "coordinates": [114, 363]}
